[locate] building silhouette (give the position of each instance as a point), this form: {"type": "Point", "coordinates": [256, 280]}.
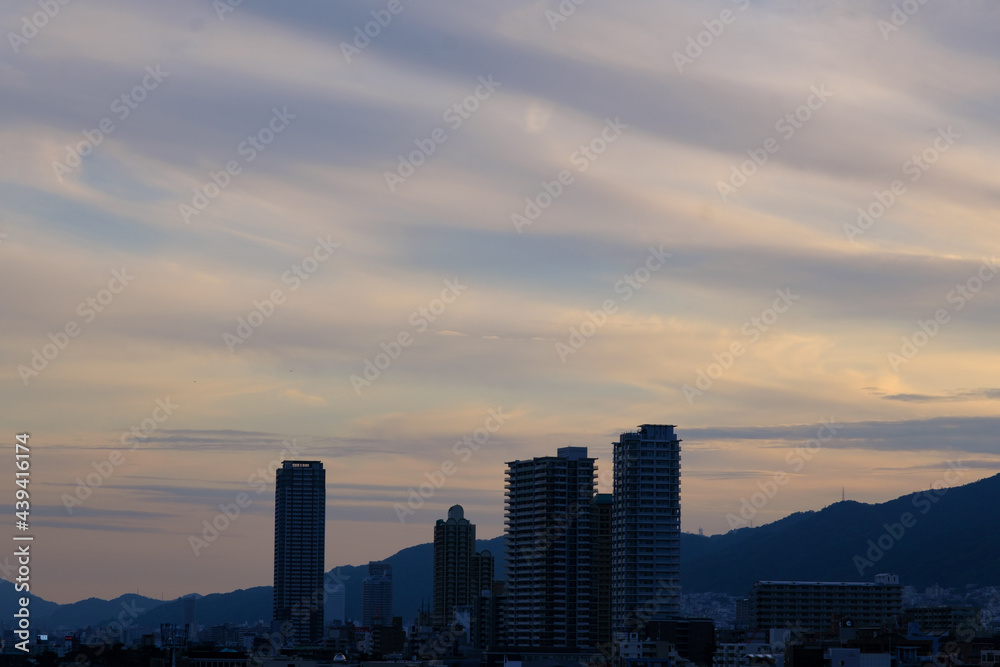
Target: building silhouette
{"type": "Point", "coordinates": [600, 524]}
{"type": "Point", "coordinates": [455, 583]}
{"type": "Point", "coordinates": [463, 580]}
{"type": "Point", "coordinates": [299, 556]}
{"type": "Point", "coordinates": [336, 603]}
{"type": "Point", "coordinates": [490, 624]}
{"type": "Point", "coordinates": [482, 615]}
{"type": "Point", "coordinates": [190, 625]}
{"type": "Point", "coordinates": [646, 528]}
{"type": "Point", "coordinates": [376, 592]}
{"type": "Point", "coordinates": [549, 538]}
{"type": "Point", "coordinates": [815, 605]}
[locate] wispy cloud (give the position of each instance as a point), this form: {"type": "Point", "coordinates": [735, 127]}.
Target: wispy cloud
{"type": "Point", "coordinates": [202, 136]}
{"type": "Point", "coordinates": [950, 397]}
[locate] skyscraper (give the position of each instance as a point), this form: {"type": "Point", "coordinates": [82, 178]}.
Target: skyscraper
{"type": "Point", "coordinates": [454, 550]}
{"type": "Point", "coordinates": [600, 568]}
{"type": "Point", "coordinates": [336, 603]}
{"type": "Point", "coordinates": [376, 595]}
{"type": "Point", "coordinates": [484, 616]}
{"type": "Point", "coordinates": [461, 577]}
{"type": "Point", "coordinates": [646, 527]}
{"type": "Point", "coordinates": [299, 539]}
{"type": "Point", "coordinates": [549, 544]}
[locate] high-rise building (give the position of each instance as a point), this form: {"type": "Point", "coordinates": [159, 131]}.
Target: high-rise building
{"type": "Point", "coordinates": [482, 567]}
{"type": "Point", "coordinates": [646, 527]}
{"type": "Point", "coordinates": [454, 550]}
{"type": "Point", "coordinates": [461, 577]}
{"type": "Point", "coordinates": [600, 569]}
{"type": "Point", "coordinates": [376, 593]}
{"type": "Point", "coordinates": [336, 603]}
{"type": "Point", "coordinates": [550, 593]}
{"type": "Point", "coordinates": [489, 625]}
{"type": "Point", "coordinates": [299, 539]}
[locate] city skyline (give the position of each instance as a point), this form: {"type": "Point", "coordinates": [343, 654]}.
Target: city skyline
{"type": "Point", "coordinates": [417, 245]}
{"type": "Point", "coordinates": [953, 476]}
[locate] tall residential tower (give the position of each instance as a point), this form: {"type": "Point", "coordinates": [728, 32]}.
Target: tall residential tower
{"type": "Point", "coordinates": [454, 582]}
{"type": "Point", "coordinates": [646, 527]}
{"type": "Point", "coordinates": [299, 539]}
{"type": "Point", "coordinates": [550, 589]}
{"type": "Point", "coordinates": [462, 579]}
{"type": "Point", "coordinates": [376, 595]}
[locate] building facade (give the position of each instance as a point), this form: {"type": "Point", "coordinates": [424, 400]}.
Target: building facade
{"type": "Point", "coordinates": [646, 528]}
{"type": "Point", "coordinates": [299, 549]}
{"type": "Point", "coordinates": [376, 594]}
{"type": "Point", "coordinates": [817, 605]}
{"type": "Point", "coordinates": [549, 539]}
{"type": "Point", "coordinates": [600, 524]}
{"type": "Point", "coordinates": [944, 618]}
{"type": "Point", "coordinates": [455, 583]}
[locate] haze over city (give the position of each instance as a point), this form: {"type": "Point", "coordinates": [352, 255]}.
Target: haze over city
{"type": "Point", "coordinates": [235, 233]}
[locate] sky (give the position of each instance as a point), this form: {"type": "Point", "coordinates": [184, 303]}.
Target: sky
{"type": "Point", "coordinates": [418, 240]}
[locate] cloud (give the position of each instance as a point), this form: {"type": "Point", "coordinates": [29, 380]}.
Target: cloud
{"type": "Point", "coordinates": [959, 434]}
{"type": "Point", "coordinates": [298, 397]}
{"type": "Point", "coordinates": [950, 397]}
{"type": "Point", "coordinates": [985, 464]}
